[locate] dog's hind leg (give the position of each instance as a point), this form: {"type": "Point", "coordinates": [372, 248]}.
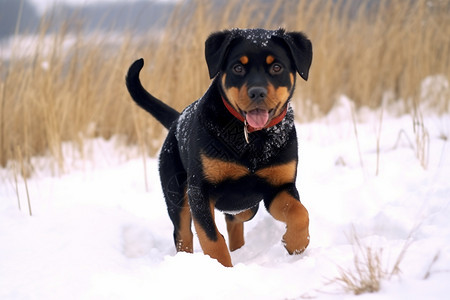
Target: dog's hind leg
{"type": "Point", "coordinates": [173, 180]}
{"type": "Point", "coordinates": [235, 227]}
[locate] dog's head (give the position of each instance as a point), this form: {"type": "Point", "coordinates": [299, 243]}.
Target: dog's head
{"type": "Point", "coordinates": [256, 69]}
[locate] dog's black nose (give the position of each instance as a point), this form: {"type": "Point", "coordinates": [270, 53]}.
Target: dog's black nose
{"type": "Point", "coordinates": [257, 93]}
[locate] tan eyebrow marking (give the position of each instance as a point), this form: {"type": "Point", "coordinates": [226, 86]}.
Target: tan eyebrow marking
{"type": "Point", "coordinates": [244, 60]}
{"type": "Point", "coordinates": [270, 59]}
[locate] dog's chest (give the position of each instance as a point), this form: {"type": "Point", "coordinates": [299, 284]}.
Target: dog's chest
{"type": "Point", "coordinates": [217, 171]}
{"type": "Point", "coordinates": [234, 187]}
{"type": "Point", "coordinates": [226, 140]}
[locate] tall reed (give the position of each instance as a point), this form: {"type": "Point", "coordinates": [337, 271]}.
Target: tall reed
{"type": "Point", "coordinates": [70, 86]}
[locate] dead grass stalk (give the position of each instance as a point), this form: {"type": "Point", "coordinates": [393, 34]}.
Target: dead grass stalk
{"type": "Point", "coordinates": [368, 270]}
{"type": "Point", "coordinates": [69, 86]}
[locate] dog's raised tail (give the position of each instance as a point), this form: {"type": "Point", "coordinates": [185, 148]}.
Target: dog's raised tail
{"type": "Point", "coordinates": [162, 112]}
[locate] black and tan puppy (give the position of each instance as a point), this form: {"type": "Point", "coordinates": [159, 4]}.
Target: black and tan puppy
{"type": "Point", "coordinates": [237, 145]}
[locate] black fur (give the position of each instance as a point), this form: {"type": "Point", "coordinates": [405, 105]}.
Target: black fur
{"type": "Point", "coordinates": [161, 111]}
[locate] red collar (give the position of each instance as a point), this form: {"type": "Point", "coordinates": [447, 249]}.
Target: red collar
{"type": "Point", "coordinates": [238, 116]}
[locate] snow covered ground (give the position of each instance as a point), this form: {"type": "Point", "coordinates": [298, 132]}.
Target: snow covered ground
{"type": "Point", "coordinates": [97, 233]}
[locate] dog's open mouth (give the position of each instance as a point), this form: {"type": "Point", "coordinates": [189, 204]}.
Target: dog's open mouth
{"type": "Point", "coordinates": [257, 118]}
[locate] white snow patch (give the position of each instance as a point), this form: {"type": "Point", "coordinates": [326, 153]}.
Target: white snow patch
{"type": "Point", "coordinates": [96, 233]}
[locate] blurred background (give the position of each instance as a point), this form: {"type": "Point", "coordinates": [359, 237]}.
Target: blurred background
{"type": "Point", "coordinates": [63, 64]}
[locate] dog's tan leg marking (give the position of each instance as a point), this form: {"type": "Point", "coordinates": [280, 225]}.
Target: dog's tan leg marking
{"type": "Point", "coordinates": [215, 249]}
{"type": "Point", "coordinates": [235, 234]}
{"type": "Point", "coordinates": [184, 234]}
{"type": "Point", "coordinates": [235, 228]}
{"type": "Point", "coordinates": [289, 210]}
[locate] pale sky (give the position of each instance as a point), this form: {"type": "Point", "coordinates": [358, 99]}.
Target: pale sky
{"type": "Point", "coordinates": [42, 5]}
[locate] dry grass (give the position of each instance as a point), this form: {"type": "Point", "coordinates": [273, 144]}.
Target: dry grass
{"type": "Point", "coordinates": [369, 269]}
{"type": "Point", "coordinates": [71, 87]}
{"type": "Point", "coordinates": [367, 275]}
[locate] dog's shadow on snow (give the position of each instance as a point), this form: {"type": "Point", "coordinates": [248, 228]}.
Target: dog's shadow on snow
{"type": "Point", "coordinates": [262, 243]}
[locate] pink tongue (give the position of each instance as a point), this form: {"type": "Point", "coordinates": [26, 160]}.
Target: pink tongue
{"type": "Point", "coordinates": [257, 118]}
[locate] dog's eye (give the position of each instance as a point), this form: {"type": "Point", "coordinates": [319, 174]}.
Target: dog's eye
{"type": "Point", "coordinates": [238, 69]}
{"type": "Point", "coordinates": [276, 69]}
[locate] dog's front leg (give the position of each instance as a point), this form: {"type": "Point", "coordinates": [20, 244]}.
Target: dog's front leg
{"type": "Point", "coordinates": [288, 209]}
{"type": "Point", "coordinates": [211, 240]}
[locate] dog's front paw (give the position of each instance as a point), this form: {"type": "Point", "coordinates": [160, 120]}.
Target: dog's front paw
{"type": "Point", "coordinates": [295, 241]}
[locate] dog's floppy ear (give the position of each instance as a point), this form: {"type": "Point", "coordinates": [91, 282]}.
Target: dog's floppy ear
{"type": "Point", "coordinates": [215, 49]}
{"type": "Point", "coordinates": [301, 50]}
